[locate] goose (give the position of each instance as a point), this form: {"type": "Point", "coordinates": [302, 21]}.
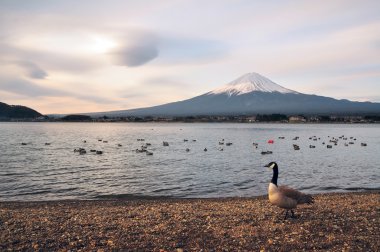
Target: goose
{"type": "Point", "coordinates": [283, 196]}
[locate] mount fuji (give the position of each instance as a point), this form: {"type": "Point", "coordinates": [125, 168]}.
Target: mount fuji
{"type": "Point", "coordinates": [251, 94]}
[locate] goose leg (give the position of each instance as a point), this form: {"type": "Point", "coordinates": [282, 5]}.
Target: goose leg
{"type": "Point", "coordinates": [286, 214]}
{"type": "Point", "coordinates": [293, 215]}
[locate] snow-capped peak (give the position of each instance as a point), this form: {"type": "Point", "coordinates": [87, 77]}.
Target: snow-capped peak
{"type": "Point", "coordinates": [251, 82]}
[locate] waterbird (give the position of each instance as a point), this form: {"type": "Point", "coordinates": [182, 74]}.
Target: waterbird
{"type": "Point", "coordinates": [284, 196]}
{"type": "Point", "coordinates": [80, 150]}
{"type": "Point", "coordinates": [266, 152]}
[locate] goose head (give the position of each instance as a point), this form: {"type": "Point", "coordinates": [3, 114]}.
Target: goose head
{"type": "Point", "coordinates": [271, 165]}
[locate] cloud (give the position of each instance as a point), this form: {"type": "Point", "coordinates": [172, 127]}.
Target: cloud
{"type": "Point", "coordinates": [32, 70]}
{"type": "Point", "coordinates": [28, 68]}
{"type": "Point", "coordinates": [28, 88]}
{"type": "Point", "coordinates": [138, 48]}
{"type": "Point", "coordinates": [188, 50]}
{"type": "Point", "coordinates": [33, 90]}
{"type": "Point", "coordinates": [35, 62]}
{"type": "Point", "coordinates": [141, 47]}
{"type": "Point", "coordinates": [163, 82]}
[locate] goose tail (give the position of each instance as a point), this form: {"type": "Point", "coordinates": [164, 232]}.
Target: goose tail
{"type": "Point", "coordinates": [306, 199]}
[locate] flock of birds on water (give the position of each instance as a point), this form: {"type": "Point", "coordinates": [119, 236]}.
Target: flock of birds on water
{"type": "Point", "coordinates": [332, 141]}
{"type": "Point", "coordinates": [281, 196]}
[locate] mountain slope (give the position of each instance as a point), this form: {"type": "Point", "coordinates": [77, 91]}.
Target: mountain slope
{"type": "Point", "coordinates": [251, 82]}
{"type": "Point", "coordinates": [252, 94]}
{"type": "Point", "coordinates": [17, 111]}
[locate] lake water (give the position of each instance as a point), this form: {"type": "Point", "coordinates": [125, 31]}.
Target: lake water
{"type": "Point", "coordinates": [36, 171]}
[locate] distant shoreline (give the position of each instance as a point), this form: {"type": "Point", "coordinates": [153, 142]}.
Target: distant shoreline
{"type": "Point", "coordinates": [189, 122]}
{"type": "Point", "coordinates": [335, 222]}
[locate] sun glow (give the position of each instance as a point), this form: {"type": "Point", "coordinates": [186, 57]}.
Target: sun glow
{"type": "Point", "coordinates": [70, 43]}
{"type": "Point", "coordinates": [101, 44]}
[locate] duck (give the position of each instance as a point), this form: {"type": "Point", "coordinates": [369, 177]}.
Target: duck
{"type": "Point", "coordinates": [284, 196]}
{"type": "Point", "coordinates": [148, 153]}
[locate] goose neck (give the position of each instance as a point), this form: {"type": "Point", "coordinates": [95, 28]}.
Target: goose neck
{"type": "Point", "coordinates": [275, 175]}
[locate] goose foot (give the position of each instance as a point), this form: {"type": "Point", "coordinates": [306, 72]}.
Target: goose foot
{"type": "Point", "coordinates": [293, 216]}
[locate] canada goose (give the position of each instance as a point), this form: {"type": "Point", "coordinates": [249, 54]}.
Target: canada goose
{"type": "Point", "coordinates": [283, 196]}
{"type": "Point", "coordinates": [266, 152]}
{"type": "Point", "coordinates": [165, 143]}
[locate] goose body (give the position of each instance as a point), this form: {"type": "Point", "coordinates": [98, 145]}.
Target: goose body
{"type": "Point", "coordinates": [284, 196]}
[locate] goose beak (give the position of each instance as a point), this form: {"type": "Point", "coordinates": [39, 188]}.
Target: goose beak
{"type": "Point", "coordinates": [267, 165]}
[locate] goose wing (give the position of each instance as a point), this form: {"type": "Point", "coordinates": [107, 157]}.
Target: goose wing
{"type": "Point", "coordinates": [301, 198]}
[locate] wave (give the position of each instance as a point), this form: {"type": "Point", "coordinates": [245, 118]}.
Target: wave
{"type": "Point", "coordinates": [132, 197]}
{"type": "Point", "coordinates": [359, 188]}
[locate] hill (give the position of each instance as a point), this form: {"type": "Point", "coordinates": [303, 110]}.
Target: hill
{"type": "Point", "coordinates": [17, 112]}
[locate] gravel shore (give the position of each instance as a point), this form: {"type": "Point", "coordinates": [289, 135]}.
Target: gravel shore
{"type": "Point", "coordinates": [335, 222]}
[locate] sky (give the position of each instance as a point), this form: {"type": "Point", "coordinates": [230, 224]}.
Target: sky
{"type": "Point", "coordinates": [74, 56]}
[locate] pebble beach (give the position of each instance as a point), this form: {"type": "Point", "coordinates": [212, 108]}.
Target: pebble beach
{"type": "Point", "coordinates": [335, 222]}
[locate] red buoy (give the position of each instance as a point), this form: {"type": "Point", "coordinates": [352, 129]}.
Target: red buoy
{"type": "Point", "coordinates": [270, 141]}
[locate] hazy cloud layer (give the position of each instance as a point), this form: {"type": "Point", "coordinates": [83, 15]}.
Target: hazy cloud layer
{"type": "Point", "coordinates": [33, 90]}
{"type": "Point", "coordinates": [28, 88]}
{"type": "Point", "coordinates": [143, 53]}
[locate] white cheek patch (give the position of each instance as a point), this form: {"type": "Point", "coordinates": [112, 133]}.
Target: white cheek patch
{"type": "Point", "coordinates": [272, 166]}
